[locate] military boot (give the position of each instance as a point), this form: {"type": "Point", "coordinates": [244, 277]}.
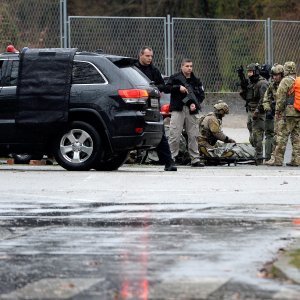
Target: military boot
{"type": "Point", "coordinates": [273, 162]}
{"type": "Point", "coordinates": [292, 164]}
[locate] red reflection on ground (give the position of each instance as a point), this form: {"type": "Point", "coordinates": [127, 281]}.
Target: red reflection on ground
{"type": "Point", "coordinates": [296, 221]}
{"type": "Point", "coordinates": [125, 290]}
{"type": "Point", "coordinates": [144, 289]}
{"type": "Point", "coordinates": [132, 287]}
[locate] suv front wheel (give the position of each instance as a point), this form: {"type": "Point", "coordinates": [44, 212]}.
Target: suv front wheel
{"type": "Point", "coordinates": [78, 148]}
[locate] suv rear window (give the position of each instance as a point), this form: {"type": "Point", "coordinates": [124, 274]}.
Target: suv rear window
{"type": "Point", "coordinates": [134, 75]}
{"type": "Point", "coordinates": [86, 73]}
{"type": "Point", "coordinates": [9, 72]}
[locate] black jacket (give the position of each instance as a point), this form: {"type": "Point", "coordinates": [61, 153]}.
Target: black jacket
{"type": "Point", "coordinates": [177, 98]}
{"type": "Point", "coordinates": [153, 74]}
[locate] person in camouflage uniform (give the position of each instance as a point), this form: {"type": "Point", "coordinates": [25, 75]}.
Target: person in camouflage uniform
{"type": "Point", "coordinates": [288, 119]}
{"type": "Point", "coordinates": [256, 116]}
{"type": "Point", "coordinates": [269, 107]}
{"type": "Point", "coordinates": [210, 127]}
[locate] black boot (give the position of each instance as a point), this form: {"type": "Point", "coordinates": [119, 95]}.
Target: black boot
{"type": "Point", "coordinates": [170, 166]}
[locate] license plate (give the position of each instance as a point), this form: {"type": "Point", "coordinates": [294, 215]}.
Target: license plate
{"type": "Point", "coordinates": [154, 102]}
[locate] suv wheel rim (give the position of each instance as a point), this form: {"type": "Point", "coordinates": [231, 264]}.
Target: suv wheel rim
{"type": "Point", "coordinates": [76, 146]}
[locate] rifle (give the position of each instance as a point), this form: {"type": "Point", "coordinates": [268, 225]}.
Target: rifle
{"type": "Point", "coordinates": [191, 98]}
{"type": "Point", "coordinates": [244, 82]}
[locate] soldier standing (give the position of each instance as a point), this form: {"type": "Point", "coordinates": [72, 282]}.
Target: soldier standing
{"type": "Point", "coordinates": [269, 107]}
{"type": "Point", "coordinates": [256, 117]}
{"type": "Point", "coordinates": [288, 119]}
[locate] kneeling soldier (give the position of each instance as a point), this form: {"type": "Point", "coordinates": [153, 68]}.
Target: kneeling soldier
{"type": "Point", "coordinates": [210, 127]}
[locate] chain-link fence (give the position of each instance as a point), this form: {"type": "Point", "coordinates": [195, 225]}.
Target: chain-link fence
{"type": "Point", "coordinates": [217, 47]}
{"type": "Point", "coordinates": [31, 23]}
{"type": "Point", "coordinates": [120, 36]}
{"type": "Point", "coordinates": [286, 42]}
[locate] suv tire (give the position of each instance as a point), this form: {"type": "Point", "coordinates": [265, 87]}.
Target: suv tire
{"type": "Point", "coordinates": [112, 163]}
{"type": "Point", "coordinates": [78, 148]}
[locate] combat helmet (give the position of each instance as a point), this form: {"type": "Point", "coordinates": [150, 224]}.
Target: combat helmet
{"type": "Point", "coordinates": [265, 71]}
{"type": "Point", "coordinates": [277, 69]}
{"type": "Point", "coordinates": [289, 68]}
{"type": "Point", "coordinates": [255, 67]}
{"type": "Point", "coordinates": [222, 106]}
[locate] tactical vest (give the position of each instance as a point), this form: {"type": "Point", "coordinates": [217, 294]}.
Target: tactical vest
{"type": "Point", "coordinates": [253, 96]}
{"type": "Point", "coordinates": [272, 91]}
{"type": "Point", "coordinates": [290, 99]}
{"type": "Point", "coordinates": [205, 133]}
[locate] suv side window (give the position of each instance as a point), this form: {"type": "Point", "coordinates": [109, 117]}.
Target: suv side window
{"type": "Point", "coordinates": [86, 73]}
{"type": "Point", "coordinates": [9, 70]}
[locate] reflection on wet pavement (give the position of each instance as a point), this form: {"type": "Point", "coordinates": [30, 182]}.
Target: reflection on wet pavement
{"type": "Point", "coordinates": [132, 243]}
{"type": "Point", "coordinates": [145, 260]}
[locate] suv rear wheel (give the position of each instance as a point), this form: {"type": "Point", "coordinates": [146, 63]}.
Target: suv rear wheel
{"type": "Point", "coordinates": [112, 163]}
{"type": "Point", "coordinates": [78, 148]}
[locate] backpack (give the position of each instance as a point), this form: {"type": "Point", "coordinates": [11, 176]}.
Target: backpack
{"type": "Point", "coordinates": [297, 94]}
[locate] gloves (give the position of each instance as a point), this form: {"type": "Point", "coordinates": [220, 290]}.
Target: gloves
{"type": "Point", "coordinates": [269, 115]}
{"type": "Point", "coordinates": [193, 108]}
{"type": "Point", "coordinates": [229, 140]}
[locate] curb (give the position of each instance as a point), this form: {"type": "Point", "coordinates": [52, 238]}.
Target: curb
{"type": "Point", "coordinates": [33, 162]}
{"type": "Point", "coordinates": [284, 265]}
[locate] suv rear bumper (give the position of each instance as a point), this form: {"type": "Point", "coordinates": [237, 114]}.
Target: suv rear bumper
{"type": "Point", "coordinates": [150, 138]}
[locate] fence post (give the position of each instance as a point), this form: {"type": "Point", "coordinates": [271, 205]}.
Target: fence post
{"type": "Point", "coordinates": [169, 52]}
{"type": "Point", "coordinates": [269, 49]}
{"type": "Point", "coordinates": [61, 22]}
{"type": "Point", "coordinates": [271, 43]}
{"type": "Point", "coordinates": [65, 22]}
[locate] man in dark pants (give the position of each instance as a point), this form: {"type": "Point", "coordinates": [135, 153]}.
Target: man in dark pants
{"type": "Point", "coordinates": [145, 65]}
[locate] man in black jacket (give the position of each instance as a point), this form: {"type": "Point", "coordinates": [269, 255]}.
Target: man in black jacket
{"type": "Point", "coordinates": [186, 95]}
{"type": "Point", "coordinates": [146, 66]}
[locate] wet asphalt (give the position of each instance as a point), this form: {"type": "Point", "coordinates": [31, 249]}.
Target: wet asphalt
{"type": "Point", "coordinates": [142, 233]}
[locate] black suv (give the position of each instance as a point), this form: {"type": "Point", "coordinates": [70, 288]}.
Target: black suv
{"type": "Point", "coordinates": [87, 109]}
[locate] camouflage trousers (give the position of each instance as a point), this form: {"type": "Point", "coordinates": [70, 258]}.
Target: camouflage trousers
{"type": "Point", "coordinates": [290, 127]}
{"type": "Point", "coordinates": [269, 138]}
{"type": "Point", "coordinates": [256, 129]}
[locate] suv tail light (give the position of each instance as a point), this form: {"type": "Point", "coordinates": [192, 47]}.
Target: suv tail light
{"type": "Point", "coordinates": [134, 96]}
{"type": "Point", "coordinates": [165, 110]}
